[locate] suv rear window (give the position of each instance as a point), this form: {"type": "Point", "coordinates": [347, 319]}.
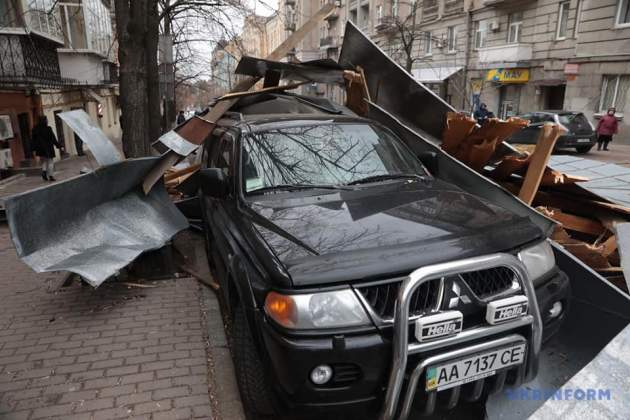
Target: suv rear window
{"type": "Point", "coordinates": [323, 154]}
{"type": "Point", "coordinates": [574, 122]}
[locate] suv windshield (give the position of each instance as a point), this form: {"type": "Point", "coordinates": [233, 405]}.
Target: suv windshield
{"type": "Point", "coordinates": [323, 155]}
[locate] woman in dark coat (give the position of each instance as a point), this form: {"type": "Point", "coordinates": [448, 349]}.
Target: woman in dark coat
{"type": "Point", "coordinates": [45, 141]}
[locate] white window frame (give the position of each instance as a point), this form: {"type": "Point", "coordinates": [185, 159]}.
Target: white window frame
{"type": "Point", "coordinates": [607, 77]}
{"type": "Point", "coordinates": [395, 8]}
{"type": "Point", "coordinates": [451, 39]}
{"type": "Point", "coordinates": [618, 16]}
{"type": "Point", "coordinates": [481, 31]}
{"type": "Point", "coordinates": [379, 13]}
{"type": "Point", "coordinates": [563, 4]}
{"type": "Point", "coordinates": [428, 45]}
{"type": "Point", "coordinates": [518, 31]}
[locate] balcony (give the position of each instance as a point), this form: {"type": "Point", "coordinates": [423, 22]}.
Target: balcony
{"type": "Point", "coordinates": [430, 9]}
{"type": "Point", "coordinates": [28, 60]}
{"type": "Point", "coordinates": [453, 7]}
{"type": "Point", "coordinates": [513, 53]}
{"type": "Point", "coordinates": [386, 24]}
{"type": "Point", "coordinates": [289, 2]}
{"type": "Point", "coordinates": [328, 42]}
{"type": "Point", "coordinates": [505, 3]}
{"type": "Point", "coordinates": [334, 15]}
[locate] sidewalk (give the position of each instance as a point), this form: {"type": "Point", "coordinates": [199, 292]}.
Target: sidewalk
{"type": "Point", "coordinates": [75, 352]}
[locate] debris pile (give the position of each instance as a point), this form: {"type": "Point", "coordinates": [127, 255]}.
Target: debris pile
{"type": "Point", "coordinates": [589, 226]}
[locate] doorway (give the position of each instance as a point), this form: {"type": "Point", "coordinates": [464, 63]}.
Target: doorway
{"type": "Point", "coordinates": [61, 138]}
{"type": "Point", "coordinates": [554, 97]}
{"type": "Point", "coordinates": [509, 99]}
{"type": "Point", "coordinates": [24, 122]}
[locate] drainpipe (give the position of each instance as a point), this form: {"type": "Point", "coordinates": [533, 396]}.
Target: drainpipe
{"type": "Point", "coordinates": [468, 10]}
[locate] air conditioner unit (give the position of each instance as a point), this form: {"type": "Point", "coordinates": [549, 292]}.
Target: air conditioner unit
{"type": "Point", "coordinates": [494, 25]}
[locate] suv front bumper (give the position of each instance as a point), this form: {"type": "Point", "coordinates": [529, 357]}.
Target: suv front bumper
{"type": "Point", "coordinates": [293, 357]}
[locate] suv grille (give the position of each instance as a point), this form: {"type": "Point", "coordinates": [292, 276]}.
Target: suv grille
{"type": "Point", "coordinates": [489, 282]}
{"type": "Point", "coordinates": [382, 298]}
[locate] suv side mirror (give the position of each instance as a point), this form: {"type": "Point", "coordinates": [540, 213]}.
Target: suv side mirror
{"type": "Point", "coordinates": [430, 161]}
{"type": "Point", "coordinates": [213, 182]}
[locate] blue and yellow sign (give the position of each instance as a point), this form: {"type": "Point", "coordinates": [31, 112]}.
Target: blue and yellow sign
{"type": "Point", "coordinates": [508, 75]}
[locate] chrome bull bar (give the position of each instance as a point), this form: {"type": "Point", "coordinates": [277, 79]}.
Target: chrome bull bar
{"type": "Point", "coordinates": [400, 340]}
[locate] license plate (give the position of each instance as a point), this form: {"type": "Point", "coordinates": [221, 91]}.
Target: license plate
{"type": "Point", "coordinates": [472, 368]}
{"type": "Point", "coordinates": [584, 140]}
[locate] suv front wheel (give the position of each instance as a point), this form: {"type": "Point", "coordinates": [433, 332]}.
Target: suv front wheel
{"type": "Point", "coordinates": [583, 149]}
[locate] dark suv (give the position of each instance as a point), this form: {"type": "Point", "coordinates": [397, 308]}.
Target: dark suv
{"type": "Point", "coordinates": [349, 271]}
{"type": "Point", "coordinates": [579, 132]}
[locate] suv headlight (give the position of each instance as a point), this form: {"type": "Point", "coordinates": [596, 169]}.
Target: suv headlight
{"type": "Point", "coordinates": [335, 309]}
{"type": "Point", "coordinates": [538, 259]}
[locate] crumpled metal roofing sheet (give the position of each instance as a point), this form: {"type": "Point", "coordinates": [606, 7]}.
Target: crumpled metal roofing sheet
{"type": "Point", "coordinates": [607, 180]}
{"type": "Point", "coordinates": [94, 224]}
{"type": "Point", "coordinates": [101, 147]}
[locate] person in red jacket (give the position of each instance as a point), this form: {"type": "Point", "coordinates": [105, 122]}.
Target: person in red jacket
{"type": "Point", "coordinates": [606, 128]}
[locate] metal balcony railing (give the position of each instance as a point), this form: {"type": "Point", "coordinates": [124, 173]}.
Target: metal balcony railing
{"type": "Point", "coordinates": [29, 59]}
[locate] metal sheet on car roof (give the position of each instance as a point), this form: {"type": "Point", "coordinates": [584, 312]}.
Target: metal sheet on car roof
{"type": "Point", "coordinates": [321, 71]}
{"type": "Point", "coordinates": [609, 181]}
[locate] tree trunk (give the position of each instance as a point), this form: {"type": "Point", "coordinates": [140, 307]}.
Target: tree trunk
{"type": "Point", "coordinates": [153, 77]}
{"type": "Point", "coordinates": [137, 30]}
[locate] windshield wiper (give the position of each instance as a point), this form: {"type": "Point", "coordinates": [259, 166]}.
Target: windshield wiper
{"type": "Point", "coordinates": [384, 177]}
{"type": "Point", "coordinates": [295, 187]}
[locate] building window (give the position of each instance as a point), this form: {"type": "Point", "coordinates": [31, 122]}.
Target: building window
{"type": "Point", "coordinates": [578, 18]}
{"type": "Point", "coordinates": [516, 25]}
{"type": "Point", "coordinates": [427, 43]}
{"type": "Point", "coordinates": [563, 20]}
{"type": "Point", "coordinates": [614, 92]}
{"type": "Point", "coordinates": [395, 8]}
{"type": "Point", "coordinates": [451, 39]}
{"type": "Point", "coordinates": [623, 13]}
{"type": "Point", "coordinates": [481, 32]}
{"type": "Point", "coordinates": [379, 13]}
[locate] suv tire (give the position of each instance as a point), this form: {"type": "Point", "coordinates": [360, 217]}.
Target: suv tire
{"type": "Point", "coordinates": [583, 149]}
{"type": "Point", "coordinates": [251, 374]}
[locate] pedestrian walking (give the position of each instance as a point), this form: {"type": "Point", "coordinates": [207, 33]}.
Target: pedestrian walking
{"type": "Point", "coordinates": [181, 118]}
{"type": "Point", "coordinates": [482, 114]}
{"type": "Point", "coordinates": [607, 127]}
{"type": "Point", "coordinates": [44, 141]}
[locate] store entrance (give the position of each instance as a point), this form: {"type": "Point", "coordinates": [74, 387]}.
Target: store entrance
{"type": "Point", "coordinates": [554, 97]}
{"type": "Point", "coordinates": [509, 99]}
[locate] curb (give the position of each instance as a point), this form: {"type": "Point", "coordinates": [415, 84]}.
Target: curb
{"type": "Point", "coordinates": [12, 179]}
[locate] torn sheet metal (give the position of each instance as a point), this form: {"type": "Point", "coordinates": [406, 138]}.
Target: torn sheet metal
{"type": "Point", "coordinates": [186, 137]}
{"type": "Point", "coordinates": [101, 147]}
{"type": "Point", "coordinates": [606, 376]}
{"type": "Point", "coordinates": [319, 71]}
{"type": "Point", "coordinates": [94, 224]}
{"type": "Point", "coordinates": [391, 87]}
{"type": "Point", "coordinates": [622, 236]}
{"type": "Point", "coordinates": [177, 143]}
{"type": "Point", "coordinates": [606, 180]}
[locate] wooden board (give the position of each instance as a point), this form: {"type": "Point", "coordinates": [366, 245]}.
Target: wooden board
{"type": "Point", "coordinates": [578, 223]}
{"type": "Point", "coordinates": [548, 137]}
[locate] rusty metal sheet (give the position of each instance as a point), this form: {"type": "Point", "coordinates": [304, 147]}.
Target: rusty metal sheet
{"type": "Point", "coordinates": [94, 224]}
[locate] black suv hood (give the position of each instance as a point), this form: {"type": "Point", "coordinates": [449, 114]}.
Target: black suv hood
{"type": "Point", "coordinates": [382, 230]}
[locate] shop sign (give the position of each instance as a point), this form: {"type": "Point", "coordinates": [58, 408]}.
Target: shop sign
{"type": "Point", "coordinates": [571, 69]}
{"type": "Point", "coordinates": [508, 75]}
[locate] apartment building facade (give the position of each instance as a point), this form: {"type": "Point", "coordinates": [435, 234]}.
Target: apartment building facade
{"type": "Point", "coordinates": [516, 56]}
{"type": "Point", "coordinates": [55, 56]}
